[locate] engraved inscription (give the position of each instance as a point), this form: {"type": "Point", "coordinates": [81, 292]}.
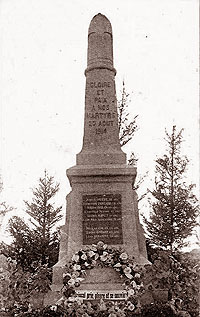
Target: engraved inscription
{"type": "Point", "coordinates": [99, 84]}
{"type": "Point", "coordinates": [102, 219]}
{"type": "Point", "coordinates": [100, 115]}
{"type": "Point", "coordinates": [116, 295]}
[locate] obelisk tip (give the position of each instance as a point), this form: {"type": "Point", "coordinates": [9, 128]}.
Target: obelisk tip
{"type": "Point", "coordinates": [100, 24]}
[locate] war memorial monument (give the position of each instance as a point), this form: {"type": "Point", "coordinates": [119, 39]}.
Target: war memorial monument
{"type": "Point", "coordinates": [102, 206]}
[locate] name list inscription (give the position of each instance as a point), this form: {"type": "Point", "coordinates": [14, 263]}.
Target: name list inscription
{"type": "Point", "coordinates": [101, 115]}
{"type": "Point", "coordinates": [102, 219]}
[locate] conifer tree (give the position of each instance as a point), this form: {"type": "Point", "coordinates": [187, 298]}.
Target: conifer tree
{"type": "Point", "coordinates": [127, 127]}
{"type": "Point", "coordinates": [43, 214]}
{"type": "Point", "coordinates": [174, 206]}
{"type": "Point", "coordinates": [4, 207]}
{"type": "Point", "coordinates": [37, 241]}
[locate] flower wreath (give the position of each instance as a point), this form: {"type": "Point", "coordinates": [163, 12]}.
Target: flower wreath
{"type": "Point", "coordinates": [104, 256]}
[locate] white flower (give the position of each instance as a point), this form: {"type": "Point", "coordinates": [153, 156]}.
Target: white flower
{"type": "Point", "coordinates": [137, 275]}
{"type": "Point", "coordinates": [54, 308]}
{"type": "Point", "coordinates": [131, 292]}
{"type": "Point", "coordinates": [102, 305]}
{"type": "Point", "coordinates": [75, 258]}
{"type": "Point", "coordinates": [94, 247]}
{"type": "Point", "coordinates": [123, 256]}
{"type": "Point", "coordinates": [66, 274]}
{"type": "Point", "coordinates": [84, 256]}
{"type": "Point", "coordinates": [83, 273]}
{"type": "Point", "coordinates": [86, 264]}
{"type": "Point", "coordinates": [71, 299]}
{"type": "Point", "coordinates": [133, 284]}
{"type": "Point", "coordinates": [76, 267]}
{"type": "Point", "coordinates": [100, 245]}
{"type": "Point", "coordinates": [131, 307]}
{"type": "Point", "coordinates": [91, 254]}
{"type": "Point", "coordinates": [130, 276]}
{"type": "Point", "coordinates": [96, 256]}
{"type": "Point", "coordinates": [93, 263]}
{"type": "Point", "coordinates": [127, 270]}
{"type": "Point", "coordinates": [71, 282]}
{"type": "Point", "coordinates": [75, 274]}
{"type": "Point", "coordinates": [103, 257]}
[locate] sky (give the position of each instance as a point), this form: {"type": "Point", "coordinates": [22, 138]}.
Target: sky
{"type": "Point", "coordinates": [43, 57]}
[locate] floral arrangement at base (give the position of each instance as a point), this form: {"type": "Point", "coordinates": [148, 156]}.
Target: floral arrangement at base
{"type": "Point", "coordinates": [103, 256]}
{"type": "Point", "coordinates": [177, 275]}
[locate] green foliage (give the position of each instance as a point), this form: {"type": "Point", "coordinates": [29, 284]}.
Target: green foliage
{"type": "Point", "coordinates": [158, 310]}
{"type": "Point", "coordinates": [178, 274]}
{"type": "Point", "coordinates": [24, 285]}
{"type": "Point", "coordinates": [36, 241]}
{"type": "Point", "coordinates": [127, 127]}
{"type": "Point", "coordinates": [23, 249]}
{"type": "Point", "coordinates": [42, 211]}
{"type": "Point", "coordinates": [4, 208]}
{"type": "Point", "coordinates": [174, 206]}
{"type": "Point", "coordinates": [19, 288]}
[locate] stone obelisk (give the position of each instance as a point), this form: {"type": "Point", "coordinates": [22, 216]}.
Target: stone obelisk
{"type": "Point", "coordinates": [101, 134]}
{"type": "Point", "coordinates": [102, 205]}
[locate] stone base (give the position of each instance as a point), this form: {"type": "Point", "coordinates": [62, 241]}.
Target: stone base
{"type": "Point", "coordinates": [114, 183]}
{"type": "Point", "coordinates": [105, 278]}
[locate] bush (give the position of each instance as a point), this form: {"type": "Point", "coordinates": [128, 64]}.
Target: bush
{"type": "Point", "coordinates": [19, 288]}
{"type": "Point", "coordinates": [157, 310]}
{"type": "Point", "coordinates": [178, 274]}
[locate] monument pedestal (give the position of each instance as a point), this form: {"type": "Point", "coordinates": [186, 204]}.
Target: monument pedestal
{"type": "Point", "coordinates": [102, 206]}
